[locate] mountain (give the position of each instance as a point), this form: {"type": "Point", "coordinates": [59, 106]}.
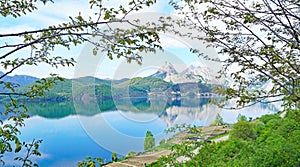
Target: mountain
{"type": "Point", "coordinates": [196, 73]}
{"type": "Point", "coordinates": [203, 74]}
{"type": "Point", "coordinates": [164, 71]}
{"type": "Point", "coordinates": [21, 80]}
{"type": "Point", "coordinates": [87, 89]}
{"type": "Point", "coordinates": [190, 75]}
{"type": "Point", "coordinates": [147, 84]}
{"type": "Point", "coordinates": [88, 80]}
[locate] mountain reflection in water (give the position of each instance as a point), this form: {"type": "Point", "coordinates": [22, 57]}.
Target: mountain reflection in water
{"type": "Point", "coordinates": [71, 131]}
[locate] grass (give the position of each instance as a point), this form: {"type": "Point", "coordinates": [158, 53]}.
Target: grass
{"type": "Point", "coordinates": [165, 146]}
{"type": "Point", "coordinates": [219, 136]}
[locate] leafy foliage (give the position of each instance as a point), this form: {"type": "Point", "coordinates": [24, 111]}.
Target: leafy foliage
{"type": "Point", "coordinates": [149, 141]}
{"type": "Point", "coordinates": [243, 130]}
{"type": "Point", "coordinates": [90, 162]}
{"type": "Point", "coordinates": [16, 113]}
{"type": "Point", "coordinates": [130, 154]}
{"type": "Point", "coordinates": [269, 141]}
{"type": "Point", "coordinates": [31, 149]}
{"type": "Point", "coordinates": [34, 47]}
{"type": "Point", "coordinates": [18, 8]}
{"type": "Point", "coordinates": [114, 156]}
{"type": "Point", "coordinates": [218, 121]}
{"type": "Point", "coordinates": [241, 118]}
{"type": "Point", "coordinates": [258, 42]}
{"type": "Point", "coordinates": [148, 84]}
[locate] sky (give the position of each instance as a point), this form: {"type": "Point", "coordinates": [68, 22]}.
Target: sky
{"type": "Point", "coordinates": [176, 48]}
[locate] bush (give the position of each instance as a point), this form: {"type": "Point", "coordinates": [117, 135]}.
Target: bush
{"type": "Point", "coordinates": [243, 130]}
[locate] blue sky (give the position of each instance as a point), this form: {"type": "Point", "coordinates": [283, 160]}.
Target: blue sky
{"type": "Point", "coordinates": [58, 12]}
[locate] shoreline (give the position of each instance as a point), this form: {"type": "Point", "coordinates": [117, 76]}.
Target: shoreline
{"type": "Point", "coordinates": [206, 133]}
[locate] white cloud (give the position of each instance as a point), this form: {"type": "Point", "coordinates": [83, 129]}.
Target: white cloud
{"type": "Point", "coordinates": [13, 40]}
{"type": "Point", "coordinates": [59, 11]}
{"type": "Point", "coordinates": [171, 42]}
{"type": "Point", "coordinates": [16, 28]}
{"type": "Point", "coordinates": [56, 13]}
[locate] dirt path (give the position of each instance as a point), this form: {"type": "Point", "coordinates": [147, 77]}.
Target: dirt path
{"type": "Point", "coordinates": [221, 139]}
{"type": "Point", "coordinates": [141, 160]}
{"type": "Point", "coordinates": [196, 151]}
{"type": "Point", "coordinates": [120, 164]}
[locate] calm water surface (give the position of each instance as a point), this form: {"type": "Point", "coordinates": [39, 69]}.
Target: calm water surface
{"type": "Point", "coordinates": [69, 134]}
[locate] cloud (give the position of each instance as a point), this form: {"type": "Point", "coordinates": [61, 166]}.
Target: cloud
{"type": "Point", "coordinates": [171, 42]}
{"type": "Point", "coordinates": [58, 12]}
{"type": "Point", "coordinates": [16, 28]}
{"type": "Point", "coordinates": [13, 40]}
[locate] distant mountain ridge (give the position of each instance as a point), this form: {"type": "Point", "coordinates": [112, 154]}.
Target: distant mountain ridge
{"type": "Point", "coordinates": [166, 72]}
{"type": "Point", "coordinates": [165, 82]}
{"type": "Point", "coordinates": [192, 74]}
{"type": "Point", "coordinates": [21, 80]}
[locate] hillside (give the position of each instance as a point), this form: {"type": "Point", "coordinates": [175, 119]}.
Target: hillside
{"type": "Point", "coordinates": [147, 84]}
{"type": "Point", "coordinates": [272, 140]}
{"type": "Point", "coordinates": [20, 80]}
{"type": "Point", "coordinates": [88, 88]}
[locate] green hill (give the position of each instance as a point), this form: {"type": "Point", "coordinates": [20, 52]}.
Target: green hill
{"type": "Point", "coordinates": [87, 88]}
{"type": "Point", "coordinates": [147, 84]}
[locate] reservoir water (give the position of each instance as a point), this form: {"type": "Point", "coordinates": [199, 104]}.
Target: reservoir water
{"type": "Point", "coordinates": [71, 133]}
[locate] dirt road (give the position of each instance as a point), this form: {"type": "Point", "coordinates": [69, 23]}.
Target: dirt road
{"type": "Point", "coordinates": [140, 161]}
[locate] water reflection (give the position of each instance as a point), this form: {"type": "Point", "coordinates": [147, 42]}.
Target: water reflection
{"type": "Point", "coordinates": [97, 129]}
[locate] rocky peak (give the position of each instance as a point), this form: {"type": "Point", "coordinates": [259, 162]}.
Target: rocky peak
{"type": "Point", "coordinates": [168, 68]}
{"type": "Point", "coordinates": [196, 70]}
{"type": "Point", "coordinates": [193, 74]}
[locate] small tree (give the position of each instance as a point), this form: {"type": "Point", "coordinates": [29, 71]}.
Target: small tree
{"type": "Point", "coordinates": [242, 130]}
{"type": "Point", "coordinates": [114, 157]}
{"type": "Point", "coordinates": [130, 154]}
{"type": "Point", "coordinates": [241, 118]}
{"type": "Point", "coordinates": [149, 141]}
{"type": "Point", "coordinates": [218, 121]}
{"type": "Point", "coordinates": [90, 162]}
{"type": "Point", "coordinates": [163, 141]}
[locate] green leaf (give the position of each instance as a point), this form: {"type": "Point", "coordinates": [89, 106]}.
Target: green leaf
{"type": "Point", "coordinates": [107, 15]}
{"type": "Point", "coordinates": [18, 147]}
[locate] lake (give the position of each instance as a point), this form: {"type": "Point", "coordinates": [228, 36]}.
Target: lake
{"type": "Point", "coordinates": [71, 131]}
